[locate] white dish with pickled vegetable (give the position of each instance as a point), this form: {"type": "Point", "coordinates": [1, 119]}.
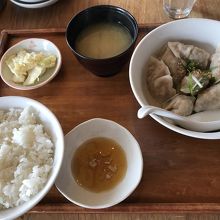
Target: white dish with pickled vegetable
{"type": "Point", "coordinates": [176, 67]}
{"type": "Point", "coordinates": [30, 64]}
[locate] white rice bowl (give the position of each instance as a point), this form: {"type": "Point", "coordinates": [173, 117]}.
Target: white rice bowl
{"type": "Point", "coordinates": [31, 152]}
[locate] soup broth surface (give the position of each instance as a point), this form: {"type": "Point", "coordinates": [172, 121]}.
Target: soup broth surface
{"type": "Point", "coordinates": [99, 164]}
{"type": "Point", "coordinates": [103, 40]}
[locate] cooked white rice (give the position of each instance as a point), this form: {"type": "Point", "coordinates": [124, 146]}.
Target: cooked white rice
{"type": "Point", "coordinates": [26, 156]}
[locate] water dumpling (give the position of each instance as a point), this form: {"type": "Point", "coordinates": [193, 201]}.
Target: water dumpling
{"type": "Point", "coordinates": [181, 105]}
{"type": "Point", "coordinates": [176, 56]}
{"type": "Point", "coordinates": [190, 52]}
{"type": "Point", "coordinates": [215, 64]}
{"type": "Point", "coordinates": [196, 81]}
{"type": "Point", "coordinates": [175, 66]}
{"type": "Point", "coordinates": [209, 99]}
{"type": "Point", "coordinates": [159, 80]}
{"type": "Point", "coordinates": [180, 50]}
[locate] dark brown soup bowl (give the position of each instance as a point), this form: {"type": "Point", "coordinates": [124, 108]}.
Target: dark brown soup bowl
{"type": "Point", "coordinates": [98, 14]}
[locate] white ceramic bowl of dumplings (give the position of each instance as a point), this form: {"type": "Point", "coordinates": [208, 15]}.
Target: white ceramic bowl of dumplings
{"type": "Point", "coordinates": [204, 33]}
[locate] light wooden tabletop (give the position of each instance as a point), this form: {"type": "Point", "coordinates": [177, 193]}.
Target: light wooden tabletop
{"type": "Point", "coordinates": [57, 16]}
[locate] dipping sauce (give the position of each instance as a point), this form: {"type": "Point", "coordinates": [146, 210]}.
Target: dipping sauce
{"type": "Point", "coordinates": [99, 164]}
{"type": "Point", "coordinates": [103, 40]}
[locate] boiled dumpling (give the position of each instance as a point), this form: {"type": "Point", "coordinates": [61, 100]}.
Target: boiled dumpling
{"type": "Point", "coordinates": [209, 99]}
{"type": "Point", "coordinates": [196, 81]}
{"type": "Point", "coordinates": [180, 50]}
{"type": "Point", "coordinates": [190, 52]}
{"type": "Point", "coordinates": [175, 66]}
{"type": "Point", "coordinates": [176, 56]}
{"type": "Point", "coordinates": [215, 64]}
{"type": "Point", "coordinates": [159, 80]}
{"type": "Point", "coordinates": [181, 105]}
{"type": "Point", "coordinates": [201, 56]}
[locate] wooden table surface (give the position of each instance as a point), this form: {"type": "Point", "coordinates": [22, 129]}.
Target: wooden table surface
{"type": "Point", "coordinates": [57, 16]}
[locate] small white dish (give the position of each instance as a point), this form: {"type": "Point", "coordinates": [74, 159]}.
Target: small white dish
{"type": "Point", "coordinates": [36, 45]}
{"type": "Point", "coordinates": [180, 30]}
{"type": "Point", "coordinates": [34, 5]}
{"type": "Point", "coordinates": [98, 127]}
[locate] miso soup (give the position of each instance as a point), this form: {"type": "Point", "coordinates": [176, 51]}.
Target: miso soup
{"type": "Point", "coordinates": [103, 40]}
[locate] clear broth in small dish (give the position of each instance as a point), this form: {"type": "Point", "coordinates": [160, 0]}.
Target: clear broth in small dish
{"type": "Point", "coordinates": [99, 164]}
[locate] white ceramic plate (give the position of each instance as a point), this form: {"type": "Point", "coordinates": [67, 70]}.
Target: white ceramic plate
{"type": "Point", "coordinates": [65, 181]}
{"type": "Point", "coordinates": [35, 5]}
{"type": "Point", "coordinates": [53, 128]}
{"type": "Point", "coordinates": [200, 32]}
{"type": "Point", "coordinates": [31, 44]}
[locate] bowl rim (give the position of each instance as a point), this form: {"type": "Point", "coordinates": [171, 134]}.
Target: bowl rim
{"type": "Point", "coordinates": [35, 5]}
{"type": "Point", "coordinates": [30, 2]}
{"type": "Point", "coordinates": [22, 87]}
{"type": "Point", "coordinates": [117, 8]}
{"type": "Point", "coordinates": [200, 135]}
{"type": "Point", "coordinates": [138, 148]}
{"type": "Point", "coordinates": [51, 180]}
